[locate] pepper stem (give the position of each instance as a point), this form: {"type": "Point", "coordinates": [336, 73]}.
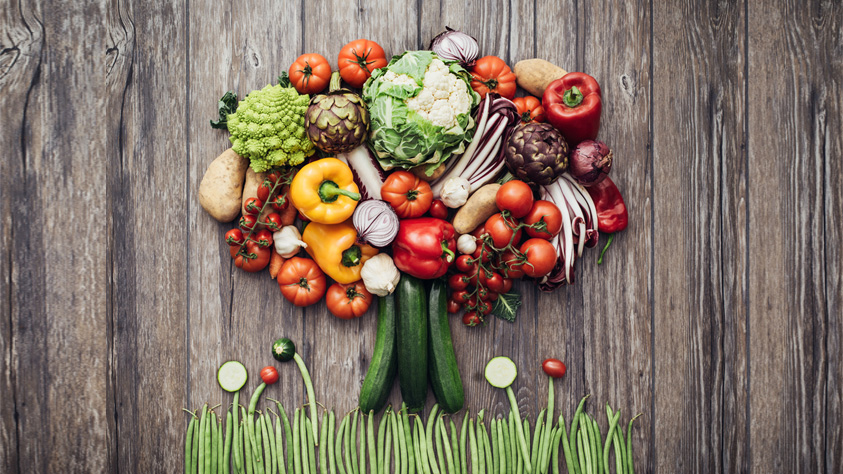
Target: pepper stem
{"type": "Point", "coordinates": [608, 243]}
{"type": "Point", "coordinates": [329, 192]}
{"type": "Point", "coordinates": [572, 97]}
{"type": "Point", "coordinates": [450, 253]}
{"type": "Point", "coordinates": [351, 256]}
{"type": "Point", "coordinates": [335, 82]}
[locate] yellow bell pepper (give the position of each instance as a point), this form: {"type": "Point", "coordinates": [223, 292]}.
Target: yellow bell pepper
{"type": "Point", "coordinates": [335, 249]}
{"type": "Point", "coordinates": [324, 191]}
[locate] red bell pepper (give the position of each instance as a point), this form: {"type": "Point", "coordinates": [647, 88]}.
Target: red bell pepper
{"type": "Point", "coordinates": [612, 215]}
{"type": "Point", "coordinates": [572, 105]}
{"type": "Point", "coordinates": [424, 247]}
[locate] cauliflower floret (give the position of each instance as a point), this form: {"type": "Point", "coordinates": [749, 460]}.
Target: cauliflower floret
{"type": "Point", "coordinates": [399, 79]}
{"type": "Point", "coordinates": [443, 95]}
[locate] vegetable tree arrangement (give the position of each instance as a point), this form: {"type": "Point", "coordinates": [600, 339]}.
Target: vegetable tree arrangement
{"type": "Point", "coordinates": [400, 441]}
{"type": "Point", "coordinates": [425, 167]}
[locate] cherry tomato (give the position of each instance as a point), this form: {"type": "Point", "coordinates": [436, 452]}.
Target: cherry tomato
{"type": "Point", "coordinates": [273, 222]}
{"type": "Point", "coordinates": [507, 285]}
{"type": "Point", "coordinates": [486, 294]}
{"type": "Point", "coordinates": [460, 296]}
{"type": "Point", "coordinates": [263, 238]}
{"type": "Point", "coordinates": [348, 301]}
{"type": "Point", "coordinates": [516, 197]}
{"type": "Point", "coordinates": [310, 73]}
{"type": "Point", "coordinates": [458, 281]}
{"type": "Point", "coordinates": [493, 282]}
{"type": "Point", "coordinates": [484, 307]}
{"type": "Point", "coordinates": [248, 222]}
{"type": "Point", "coordinates": [234, 250]}
{"type": "Point", "coordinates": [234, 237]}
{"type": "Point", "coordinates": [465, 264]}
{"type": "Point", "coordinates": [407, 194]}
{"type": "Point", "coordinates": [438, 209]}
{"type": "Point", "coordinates": [454, 306]}
{"type": "Point", "coordinates": [541, 257]}
{"type": "Point", "coordinates": [269, 375]}
{"type": "Point", "coordinates": [301, 281]}
{"type": "Point", "coordinates": [471, 319]}
{"type": "Point", "coordinates": [512, 266]}
{"type": "Point", "coordinates": [471, 303]}
{"type": "Point", "coordinates": [264, 189]}
{"type": "Point", "coordinates": [483, 252]}
{"type": "Point", "coordinates": [479, 232]}
{"type": "Point", "coordinates": [280, 202]}
{"type": "Point", "coordinates": [256, 258]}
{"type": "Point", "coordinates": [273, 176]}
{"type": "Point", "coordinates": [554, 368]}
{"type": "Point", "coordinates": [500, 230]}
{"type": "Point", "coordinates": [253, 206]}
{"type": "Point", "coordinates": [547, 211]}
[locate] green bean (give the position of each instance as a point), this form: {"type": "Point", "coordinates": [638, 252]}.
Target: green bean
{"type": "Point", "coordinates": [487, 449]}
{"type": "Point", "coordinates": [214, 444]}
{"type": "Point", "coordinates": [537, 437]}
{"type": "Point", "coordinates": [619, 460]}
{"type": "Point", "coordinates": [396, 441]}
{"type": "Point", "coordinates": [566, 447]}
{"type": "Point", "coordinates": [209, 442]}
{"type": "Point", "coordinates": [463, 440]}
{"type": "Point", "coordinates": [376, 451]}
{"type": "Point", "coordinates": [220, 448]}
{"type": "Point", "coordinates": [249, 458]}
{"type": "Point", "coordinates": [349, 466]}
{"type": "Point", "coordinates": [311, 448]}
{"type": "Point", "coordinates": [362, 457]}
{"type": "Point", "coordinates": [353, 446]}
{"type": "Point", "coordinates": [573, 434]}
{"type": "Point", "coordinates": [545, 454]}
{"type": "Point", "coordinates": [408, 437]}
{"type": "Point", "coordinates": [323, 451]}
{"type": "Point", "coordinates": [188, 447]}
{"type": "Point", "coordinates": [203, 420]}
{"type": "Point", "coordinates": [332, 455]}
{"type": "Point", "coordinates": [194, 452]}
{"type": "Point", "coordinates": [522, 441]}
{"type": "Point", "coordinates": [297, 460]}
{"type": "Point", "coordinates": [455, 445]}
{"type": "Point", "coordinates": [481, 456]}
{"type": "Point", "coordinates": [265, 443]}
{"type": "Point", "coordinates": [554, 446]}
{"type": "Point", "coordinates": [238, 461]}
{"type": "Point", "coordinates": [496, 461]}
{"type": "Point", "coordinates": [279, 445]}
{"type": "Point", "coordinates": [502, 466]}
{"type": "Point", "coordinates": [446, 442]}
{"type": "Point", "coordinates": [422, 466]}
{"type": "Point", "coordinates": [431, 456]}
{"type": "Point", "coordinates": [585, 429]}
{"type": "Point", "coordinates": [402, 443]}
{"type": "Point", "coordinates": [339, 444]}
{"type": "Point", "coordinates": [598, 445]}
{"type": "Point", "coordinates": [303, 442]}
{"type": "Point", "coordinates": [440, 450]}
{"type": "Point", "coordinates": [527, 439]}
{"type": "Point", "coordinates": [387, 455]}
{"type": "Point", "coordinates": [226, 455]}
{"type": "Point", "coordinates": [273, 444]}
{"type": "Point", "coordinates": [629, 461]}
{"type": "Point", "coordinates": [613, 423]}
{"type": "Point", "coordinates": [472, 446]}
{"type": "Point", "coordinates": [506, 445]}
{"type": "Point", "coordinates": [261, 466]}
{"type": "Point", "coordinates": [253, 404]}
{"type": "Point", "coordinates": [586, 469]}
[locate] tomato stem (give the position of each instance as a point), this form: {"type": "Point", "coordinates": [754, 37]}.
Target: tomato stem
{"type": "Point", "coordinates": [283, 179]}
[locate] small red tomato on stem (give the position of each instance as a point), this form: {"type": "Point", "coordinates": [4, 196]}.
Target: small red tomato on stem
{"type": "Point", "coordinates": [492, 281]}
{"type": "Point", "coordinates": [512, 265]}
{"type": "Point", "coordinates": [234, 237]}
{"type": "Point", "coordinates": [273, 222]}
{"type": "Point", "coordinates": [554, 368]}
{"type": "Point", "coordinates": [254, 259]}
{"type": "Point", "coordinates": [466, 264]}
{"type": "Point", "coordinates": [454, 307]}
{"type": "Point", "coordinates": [280, 202]}
{"type": "Point", "coordinates": [471, 319]}
{"type": "Point", "coordinates": [549, 214]}
{"type": "Point", "coordinates": [247, 222]}
{"type": "Point", "coordinates": [253, 206]}
{"type": "Point", "coordinates": [507, 285]}
{"type": "Point", "coordinates": [460, 296]}
{"type": "Point", "coordinates": [484, 307]}
{"type": "Point", "coordinates": [264, 189]}
{"type": "Point", "coordinates": [269, 375]}
{"type": "Point", "coordinates": [458, 281]}
{"type": "Point", "coordinates": [438, 209]}
{"type": "Point", "coordinates": [263, 238]}
{"type": "Point", "coordinates": [500, 229]}
{"type": "Point", "coordinates": [516, 197]}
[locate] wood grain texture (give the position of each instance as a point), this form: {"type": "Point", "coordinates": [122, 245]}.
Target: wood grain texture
{"type": "Point", "coordinates": [699, 319]}
{"type": "Point", "coordinates": [787, 293]}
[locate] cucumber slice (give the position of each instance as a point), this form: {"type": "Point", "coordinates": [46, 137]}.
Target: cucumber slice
{"type": "Point", "coordinates": [232, 376]}
{"type": "Point", "coordinates": [501, 371]}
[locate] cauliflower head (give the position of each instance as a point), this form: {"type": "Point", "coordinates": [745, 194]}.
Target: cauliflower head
{"type": "Point", "coordinates": [268, 128]}
{"type": "Point", "coordinates": [420, 108]}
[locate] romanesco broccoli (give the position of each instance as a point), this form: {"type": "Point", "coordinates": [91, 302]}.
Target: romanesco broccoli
{"type": "Point", "coordinates": [268, 128]}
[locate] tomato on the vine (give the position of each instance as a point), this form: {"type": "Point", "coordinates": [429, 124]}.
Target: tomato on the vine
{"type": "Point", "coordinates": [465, 264]}
{"type": "Point", "coordinates": [234, 237]}
{"type": "Point", "coordinates": [248, 222]}
{"type": "Point", "coordinates": [471, 319]}
{"type": "Point", "coordinates": [301, 281]}
{"type": "Point", "coordinates": [269, 375]}
{"type": "Point", "coordinates": [280, 202]}
{"type": "Point", "coordinates": [554, 368]}
{"type": "Point", "coordinates": [486, 294]}
{"type": "Point", "coordinates": [253, 206]}
{"type": "Point", "coordinates": [264, 190]}
{"type": "Point", "coordinates": [358, 59]}
{"type": "Point", "coordinates": [407, 194]}
{"type": "Point", "coordinates": [254, 259]}
{"type": "Point", "coordinates": [507, 285]}
{"type": "Point", "coordinates": [458, 281]}
{"type": "Point", "coordinates": [500, 229]}
{"type": "Point", "coordinates": [483, 252]}
{"type": "Point", "coordinates": [516, 197]}
{"type": "Point", "coordinates": [454, 306]}
{"type": "Point", "coordinates": [348, 301]}
{"type": "Point", "coordinates": [273, 222]}
{"type": "Point", "coordinates": [263, 238]}
{"type": "Point", "coordinates": [541, 257]}
{"type": "Point", "coordinates": [512, 265]}
{"type": "Point", "coordinates": [552, 219]}
{"type": "Point", "coordinates": [491, 74]}
{"type": "Point", "coordinates": [310, 73]}
{"type": "Point", "coordinates": [530, 109]}
{"type": "Point", "coordinates": [484, 307]}
{"type": "Point", "coordinates": [492, 281]}
{"type": "Point", "coordinates": [438, 209]}
{"type": "Point", "coordinates": [460, 296]}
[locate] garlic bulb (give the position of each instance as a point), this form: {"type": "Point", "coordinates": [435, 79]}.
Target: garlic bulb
{"type": "Point", "coordinates": [288, 241]}
{"type": "Point", "coordinates": [380, 275]}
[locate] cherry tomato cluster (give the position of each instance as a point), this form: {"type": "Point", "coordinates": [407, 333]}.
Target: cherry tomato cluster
{"type": "Point", "coordinates": [503, 252]}
{"type": "Point", "coordinates": [250, 244]}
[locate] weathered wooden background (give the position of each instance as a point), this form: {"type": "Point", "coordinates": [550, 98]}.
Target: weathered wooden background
{"type": "Point", "coordinates": [717, 314]}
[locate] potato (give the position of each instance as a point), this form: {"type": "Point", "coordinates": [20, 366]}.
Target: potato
{"type": "Point", "coordinates": [222, 186]}
{"type": "Point", "coordinates": [534, 75]}
{"type": "Point", "coordinates": [479, 207]}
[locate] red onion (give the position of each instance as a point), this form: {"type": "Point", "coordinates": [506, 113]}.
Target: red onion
{"type": "Point", "coordinates": [453, 45]}
{"type": "Point", "coordinates": [590, 162]}
{"type": "Point", "coordinates": [376, 222]}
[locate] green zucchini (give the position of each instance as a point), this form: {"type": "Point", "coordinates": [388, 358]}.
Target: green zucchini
{"type": "Point", "coordinates": [412, 341]}
{"type": "Point", "coordinates": [444, 374]}
{"type": "Point", "coordinates": [384, 364]}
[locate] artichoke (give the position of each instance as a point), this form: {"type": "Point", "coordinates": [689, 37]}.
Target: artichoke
{"type": "Point", "coordinates": [338, 121]}
{"type": "Point", "coordinates": [537, 152]}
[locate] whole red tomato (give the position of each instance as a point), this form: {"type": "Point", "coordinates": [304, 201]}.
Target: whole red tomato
{"type": "Point", "coordinates": [548, 211]}
{"type": "Point", "coordinates": [516, 197]}
{"type": "Point", "coordinates": [269, 375]}
{"type": "Point", "coordinates": [554, 368]}
{"type": "Point", "coordinates": [512, 266]}
{"type": "Point", "coordinates": [310, 74]}
{"type": "Point", "coordinates": [358, 59]}
{"type": "Point", "coordinates": [262, 238]}
{"type": "Point", "coordinates": [492, 281]}
{"type": "Point", "coordinates": [256, 258]}
{"type": "Point", "coordinates": [460, 296]}
{"type": "Point", "coordinates": [348, 301]}
{"type": "Point", "coordinates": [253, 206]}
{"type": "Point", "coordinates": [458, 281]}
{"type": "Point", "coordinates": [500, 229]}
{"type": "Point", "coordinates": [454, 306]}
{"type": "Point", "coordinates": [471, 319]}
{"type": "Point", "coordinates": [234, 237]}
{"type": "Point", "coordinates": [465, 264]}
{"type": "Point", "coordinates": [530, 109]}
{"type": "Point", "coordinates": [407, 194]}
{"type": "Point", "coordinates": [491, 74]}
{"type": "Point", "coordinates": [438, 209]}
{"type": "Point", "coordinates": [301, 281]}
{"type": "Point", "coordinates": [273, 222]}
{"type": "Point", "coordinates": [248, 222]}
{"type": "Point", "coordinates": [541, 257]}
{"type": "Point", "coordinates": [264, 189]}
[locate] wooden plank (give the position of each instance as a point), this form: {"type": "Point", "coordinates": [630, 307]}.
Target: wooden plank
{"type": "Point", "coordinates": [699, 312]}
{"type": "Point", "coordinates": [57, 253]}
{"type": "Point", "coordinates": [615, 311]}
{"type": "Point", "coordinates": [20, 57]}
{"type": "Point", "coordinates": [150, 256]}
{"type": "Point", "coordinates": [787, 296]}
